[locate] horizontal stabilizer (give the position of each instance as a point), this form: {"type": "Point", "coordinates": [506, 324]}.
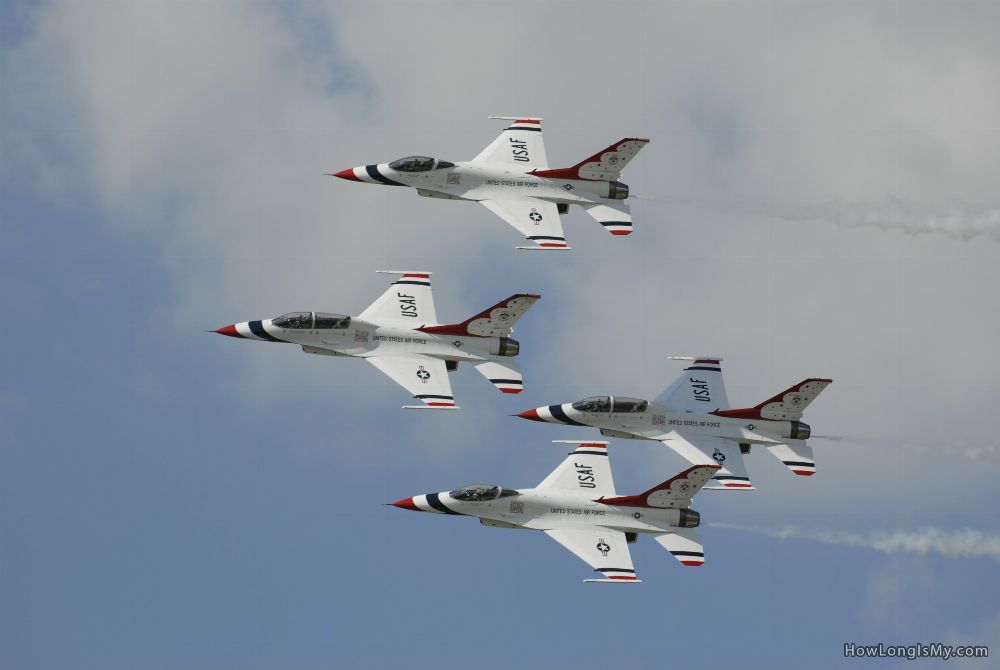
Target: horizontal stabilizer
{"type": "Point", "coordinates": [684, 544]}
{"type": "Point", "coordinates": [797, 455]}
{"type": "Point", "coordinates": [616, 218]}
{"type": "Point", "coordinates": [505, 376]}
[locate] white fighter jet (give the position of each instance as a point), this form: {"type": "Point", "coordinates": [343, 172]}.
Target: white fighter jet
{"type": "Point", "coordinates": [511, 177]}
{"type": "Point", "coordinates": [577, 507]}
{"type": "Point", "coordinates": [693, 418]}
{"type": "Point", "coordinates": [399, 334]}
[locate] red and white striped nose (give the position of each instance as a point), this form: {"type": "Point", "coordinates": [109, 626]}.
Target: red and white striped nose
{"type": "Point", "coordinates": [347, 174]}
{"type": "Point", "coordinates": [229, 330]}
{"type": "Point", "coordinates": [439, 503]}
{"type": "Point", "coordinates": [564, 414]}
{"type": "Point", "coordinates": [407, 503]}
{"type": "Point", "coordinates": [531, 414]}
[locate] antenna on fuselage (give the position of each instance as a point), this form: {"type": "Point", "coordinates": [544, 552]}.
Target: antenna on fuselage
{"type": "Point", "coordinates": [517, 118]}
{"type": "Point", "coordinates": [695, 358]}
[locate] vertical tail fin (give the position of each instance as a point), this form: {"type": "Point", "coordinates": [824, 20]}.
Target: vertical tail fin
{"type": "Point", "coordinates": [606, 165]}
{"type": "Point", "coordinates": [495, 321]}
{"type": "Point", "coordinates": [786, 406]}
{"type": "Point", "coordinates": [676, 492]}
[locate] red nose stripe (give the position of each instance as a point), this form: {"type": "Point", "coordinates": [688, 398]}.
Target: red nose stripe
{"type": "Point", "coordinates": [228, 330]}
{"type": "Point", "coordinates": [530, 414]}
{"type": "Point", "coordinates": [346, 174]}
{"type": "Point", "coordinates": [406, 503]}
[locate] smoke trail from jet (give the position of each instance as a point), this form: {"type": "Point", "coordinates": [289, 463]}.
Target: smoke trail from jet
{"type": "Point", "coordinates": [964, 543]}
{"type": "Point", "coordinates": [961, 448]}
{"type": "Point", "coordinates": [958, 221]}
{"type": "Point", "coordinates": [955, 220]}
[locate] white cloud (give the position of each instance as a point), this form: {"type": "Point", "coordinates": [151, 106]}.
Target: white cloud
{"type": "Point", "coordinates": [210, 125]}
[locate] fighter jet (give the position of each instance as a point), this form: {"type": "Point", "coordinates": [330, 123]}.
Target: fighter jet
{"type": "Point", "coordinates": [399, 334]}
{"type": "Point", "coordinates": [692, 417]}
{"type": "Point", "coordinates": [511, 177]}
{"type": "Point", "coordinates": [577, 507]}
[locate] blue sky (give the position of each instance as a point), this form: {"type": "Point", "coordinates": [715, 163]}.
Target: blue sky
{"type": "Point", "coordinates": [822, 202]}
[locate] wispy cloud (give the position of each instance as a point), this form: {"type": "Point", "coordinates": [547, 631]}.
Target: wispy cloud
{"type": "Point", "coordinates": [964, 543]}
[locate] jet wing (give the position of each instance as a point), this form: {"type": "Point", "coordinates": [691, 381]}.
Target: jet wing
{"type": "Point", "coordinates": [684, 544]}
{"type": "Point", "coordinates": [585, 470]}
{"type": "Point", "coordinates": [603, 549]}
{"type": "Point", "coordinates": [520, 145]}
{"type": "Point", "coordinates": [706, 449]}
{"type": "Point", "coordinates": [425, 377]}
{"type": "Point", "coordinates": [408, 301]}
{"type": "Point", "coordinates": [505, 376]}
{"type": "Point", "coordinates": [797, 455]}
{"type": "Point", "coordinates": [699, 388]}
{"type": "Point", "coordinates": [538, 220]}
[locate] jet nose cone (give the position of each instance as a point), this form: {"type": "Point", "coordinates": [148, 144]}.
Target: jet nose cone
{"type": "Point", "coordinates": [530, 414]}
{"type": "Point", "coordinates": [406, 503]}
{"type": "Point", "coordinates": [346, 174]}
{"type": "Point", "coordinates": [228, 330]}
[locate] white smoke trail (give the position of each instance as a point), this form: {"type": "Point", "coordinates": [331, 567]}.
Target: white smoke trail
{"type": "Point", "coordinates": [955, 220]}
{"type": "Point", "coordinates": [961, 448]}
{"type": "Point", "coordinates": [964, 543]}
{"type": "Point", "coordinates": [958, 221]}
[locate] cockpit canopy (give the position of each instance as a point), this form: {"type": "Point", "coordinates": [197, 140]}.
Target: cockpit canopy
{"type": "Point", "coordinates": [621, 405]}
{"type": "Point", "coordinates": [311, 321]}
{"type": "Point", "coordinates": [611, 404]}
{"type": "Point", "coordinates": [597, 403]}
{"type": "Point", "coordinates": [481, 492]}
{"type": "Point", "coordinates": [419, 164]}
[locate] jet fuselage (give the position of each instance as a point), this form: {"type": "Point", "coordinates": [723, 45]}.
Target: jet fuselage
{"type": "Point", "coordinates": [476, 181]}
{"type": "Point", "coordinates": [641, 419]}
{"type": "Point", "coordinates": [361, 338]}
{"type": "Point", "coordinates": [542, 509]}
